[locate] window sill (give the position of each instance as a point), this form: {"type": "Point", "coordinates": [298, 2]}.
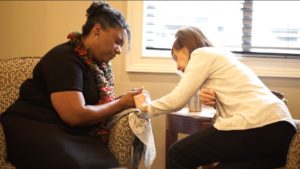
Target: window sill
{"type": "Point", "coordinates": [273, 67]}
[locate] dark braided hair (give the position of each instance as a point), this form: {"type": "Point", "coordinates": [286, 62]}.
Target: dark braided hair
{"type": "Point", "coordinates": [102, 13]}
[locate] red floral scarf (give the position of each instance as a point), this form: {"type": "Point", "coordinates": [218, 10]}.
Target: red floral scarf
{"type": "Point", "coordinates": [102, 74]}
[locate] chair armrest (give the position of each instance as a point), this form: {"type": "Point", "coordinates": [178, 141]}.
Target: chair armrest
{"type": "Point", "coordinates": [121, 140]}
{"type": "Point", "coordinates": [4, 164]}
{"type": "Point", "coordinates": [293, 159]}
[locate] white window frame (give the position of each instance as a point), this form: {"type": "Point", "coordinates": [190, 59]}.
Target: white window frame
{"type": "Point", "coordinates": [135, 62]}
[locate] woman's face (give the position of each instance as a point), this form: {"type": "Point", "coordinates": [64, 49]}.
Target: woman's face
{"type": "Point", "coordinates": [181, 56]}
{"type": "Point", "coordinates": [108, 44]}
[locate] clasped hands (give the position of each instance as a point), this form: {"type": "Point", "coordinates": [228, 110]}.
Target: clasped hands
{"type": "Point", "coordinates": [136, 97]}
{"type": "Point", "coordinates": [142, 99]}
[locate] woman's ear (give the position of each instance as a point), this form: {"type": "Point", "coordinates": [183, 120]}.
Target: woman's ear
{"type": "Point", "coordinates": [186, 52]}
{"type": "Point", "coordinates": [97, 29]}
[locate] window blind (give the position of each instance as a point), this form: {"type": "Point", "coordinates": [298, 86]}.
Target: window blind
{"type": "Point", "coordinates": [242, 26]}
{"type": "Point", "coordinates": [247, 25]}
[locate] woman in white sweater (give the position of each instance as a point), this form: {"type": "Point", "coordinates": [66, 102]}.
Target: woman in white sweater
{"type": "Point", "coordinates": [253, 128]}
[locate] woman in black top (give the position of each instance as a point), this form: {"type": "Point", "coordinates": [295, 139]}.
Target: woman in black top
{"type": "Point", "coordinates": [54, 122]}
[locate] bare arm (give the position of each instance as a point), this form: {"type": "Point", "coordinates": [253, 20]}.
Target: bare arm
{"type": "Point", "coordinates": [72, 108]}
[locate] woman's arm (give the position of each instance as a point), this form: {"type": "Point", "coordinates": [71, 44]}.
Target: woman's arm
{"type": "Point", "coordinates": [206, 96]}
{"type": "Point", "coordinates": [198, 70]}
{"type": "Point", "coordinates": [72, 108]}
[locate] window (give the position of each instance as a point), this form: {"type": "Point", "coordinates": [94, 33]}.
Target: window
{"type": "Point", "coordinates": [159, 26]}
{"type": "Point", "coordinates": [256, 29]}
{"type": "Point", "coordinates": [260, 26]}
{"type": "Point", "coordinates": [274, 28]}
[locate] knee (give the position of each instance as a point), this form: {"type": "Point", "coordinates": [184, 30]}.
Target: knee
{"type": "Point", "coordinates": [174, 154]}
{"type": "Point", "coordinates": [177, 158]}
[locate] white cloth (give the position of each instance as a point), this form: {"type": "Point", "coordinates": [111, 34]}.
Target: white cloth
{"type": "Point", "coordinates": [141, 127]}
{"type": "Point", "coordinates": [243, 101]}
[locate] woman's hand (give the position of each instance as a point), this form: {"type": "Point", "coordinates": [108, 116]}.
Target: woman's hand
{"type": "Point", "coordinates": [207, 97]}
{"type": "Point", "coordinates": [142, 100]}
{"type": "Point", "coordinates": [127, 100]}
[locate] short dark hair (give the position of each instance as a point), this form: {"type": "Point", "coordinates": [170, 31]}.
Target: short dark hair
{"type": "Point", "coordinates": [102, 13]}
{"type": "Point", "coordinates": [191, 38]}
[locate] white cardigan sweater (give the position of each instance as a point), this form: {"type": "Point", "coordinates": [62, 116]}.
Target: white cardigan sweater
{"type": "Point", "coordinates": [243, 101]}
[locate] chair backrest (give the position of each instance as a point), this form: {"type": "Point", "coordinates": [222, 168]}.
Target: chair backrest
{"type": "Point", "coordinates": [13, 71]}
{"type": "Point", "coordinates": [279, 95]}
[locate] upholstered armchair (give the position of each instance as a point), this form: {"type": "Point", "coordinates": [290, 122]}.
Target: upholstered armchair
{"type": "Point", "coordinates": [13, 72]}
